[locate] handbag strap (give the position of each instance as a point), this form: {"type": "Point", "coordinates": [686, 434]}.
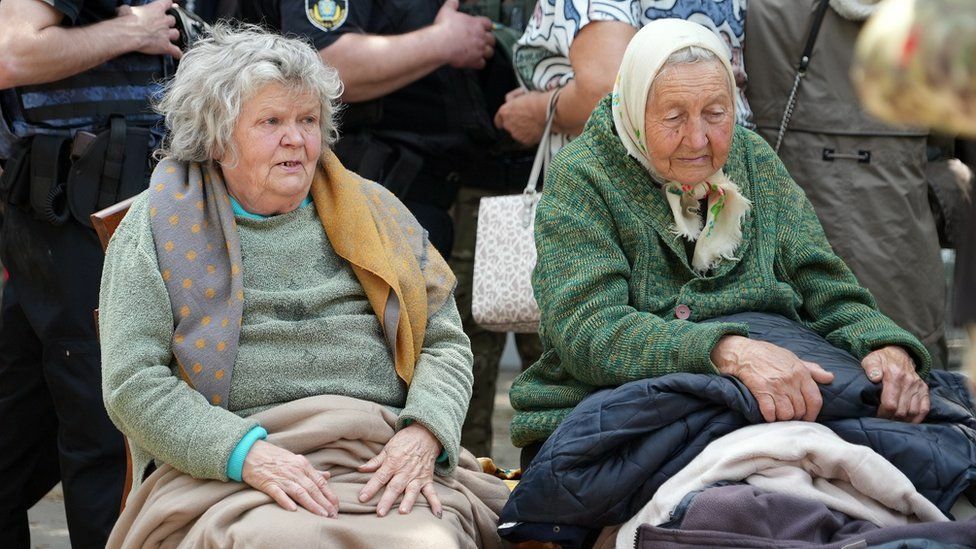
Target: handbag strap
{"type": "Point", "coordinates": [544, 153]}
{"type": "Point", "coordinates": [801, 70]}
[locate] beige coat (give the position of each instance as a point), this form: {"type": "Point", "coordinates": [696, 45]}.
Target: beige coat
{"type": "Point", "coordinates": [876, 214]}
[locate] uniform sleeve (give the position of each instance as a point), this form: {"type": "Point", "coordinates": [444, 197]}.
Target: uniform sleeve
{"type": "Point", "coordinates": [145, 399]}
{"type": "Point", "coordinates": [324, 21]}
{"type": "Point", "coordinates": [441, 387]}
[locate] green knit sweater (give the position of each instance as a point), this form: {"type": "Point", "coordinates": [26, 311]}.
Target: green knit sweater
{"type": "Point", "coordinates": [308, 329]}
{"type": "Point", "coordinates": [611, 272]}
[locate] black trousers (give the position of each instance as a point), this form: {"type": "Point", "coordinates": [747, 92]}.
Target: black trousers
{"type": "Point", "coordinates": [53, 424]}
{"type": "Point", "coordinates": [964, 287]}
{"type": "Point", "coordinates": [528, 454]}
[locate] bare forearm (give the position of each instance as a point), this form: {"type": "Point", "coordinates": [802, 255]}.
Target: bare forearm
{"type": "Point", "coordinates": [36, 48]}
{"type": "Point", "coordinates": [595, 55]}
{"type": "Point", "coordinates": [57, 52]}
{"type": "Point", "coordinates": [372, 66]}
{"type": "Point", "coordinates": [574, 108]}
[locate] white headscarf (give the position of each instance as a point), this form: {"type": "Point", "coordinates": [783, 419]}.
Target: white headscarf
{"type": "Point", "coordinates": [645, 57]}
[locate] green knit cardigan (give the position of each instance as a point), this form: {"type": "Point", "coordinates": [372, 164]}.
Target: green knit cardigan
{"type": "Point", "coordinates": [611, 272]}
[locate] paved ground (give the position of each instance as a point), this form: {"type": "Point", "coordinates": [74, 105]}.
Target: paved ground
{"type": "Point", "coordinates": [47, 524]}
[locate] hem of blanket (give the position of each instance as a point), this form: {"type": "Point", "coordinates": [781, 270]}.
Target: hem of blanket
{"type": "Point", "coordinates": [697, 344]}
{"type": "Point", "coordinates": [443, 467]}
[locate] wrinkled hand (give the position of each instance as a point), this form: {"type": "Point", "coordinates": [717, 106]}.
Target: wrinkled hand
{"type": "Point", "coordinates": [784, 386]}
{"type": "Point", "coordinates": [904, 395]}
{"type": "Point", "coordinates": [155, 30]}
{"type": "Point", "coordinates": [405, 466]}
{"type": "Point", "coordinates": [523, 115]}
{"type": "Point", "coordinates": [289, 478]}
{"type": "Point", "coordinates": [467, 40]}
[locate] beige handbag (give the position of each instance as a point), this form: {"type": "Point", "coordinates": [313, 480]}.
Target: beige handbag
{"type": "Point", "coordinates": [504, 253]}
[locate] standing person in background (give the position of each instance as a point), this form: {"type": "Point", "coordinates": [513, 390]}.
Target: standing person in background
{"type": "Point", "coordinates": [506, 173]}
{"type": "Point", "coordinates": [70, 70]}
{"type": "Point", "coordinates": [866, 179]}
{"type": "Point", "coordinates": [401, 61]}
{"type": "Point", "coordinates": [914, 64]}
{"type": "Point", "coordinates": [578, 45]}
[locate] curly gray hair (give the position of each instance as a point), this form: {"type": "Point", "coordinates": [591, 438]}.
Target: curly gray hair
{"type": "Point", "coordinates": [220, 72]}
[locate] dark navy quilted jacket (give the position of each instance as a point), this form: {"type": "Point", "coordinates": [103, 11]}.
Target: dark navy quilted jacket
{"type": "Point", "coordinates": [614, 450]}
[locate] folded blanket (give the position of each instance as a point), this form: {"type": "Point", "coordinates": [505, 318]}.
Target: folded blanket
{"type": "Point", "coordinates": [336, 434]}
{"type": "Point", "coordinates": [609, 456]}
{"type": "Point", "coordinates": [744, 516]}
{"type": "Point", "coordinates": [801, 459]}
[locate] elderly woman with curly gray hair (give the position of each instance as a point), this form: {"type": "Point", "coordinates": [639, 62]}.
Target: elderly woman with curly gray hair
{"type": "Point", "coordinates": [280, 341]}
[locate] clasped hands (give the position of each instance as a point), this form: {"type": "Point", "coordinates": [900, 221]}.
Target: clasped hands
{"type": "Point", "coordinates": [404, 466]}
{"type": "Point", "coordinates": [785, 387]}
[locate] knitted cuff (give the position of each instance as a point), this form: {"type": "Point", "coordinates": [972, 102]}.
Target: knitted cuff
{"type": "Point", "coordinates": [235, 464]}
{"type": "Point", "coordinates": [697, 344]}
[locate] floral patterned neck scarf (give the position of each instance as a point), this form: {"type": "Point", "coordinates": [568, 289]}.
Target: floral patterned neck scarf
{"type": "Point", "coordinates": [721, 233]}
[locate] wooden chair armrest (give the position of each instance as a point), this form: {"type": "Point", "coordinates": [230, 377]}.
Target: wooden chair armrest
{"type": "Point", "coordinates": [107, 220]}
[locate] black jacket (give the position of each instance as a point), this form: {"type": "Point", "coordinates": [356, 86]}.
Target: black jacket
{"type": "Point", "coordinates": [610, 455]}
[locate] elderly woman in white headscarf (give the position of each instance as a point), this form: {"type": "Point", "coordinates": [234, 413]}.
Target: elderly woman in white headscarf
{"type": "Point", "coordinates": [280, 342]}
{"type": "Point", "coordinates": [664, 214]}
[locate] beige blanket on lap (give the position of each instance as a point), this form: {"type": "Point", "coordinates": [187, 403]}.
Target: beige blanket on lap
{"type": "Point", "coordinates": [336, 434]}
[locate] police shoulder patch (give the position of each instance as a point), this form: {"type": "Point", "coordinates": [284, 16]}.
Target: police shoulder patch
{"type": "Point", "coordinates": [327, 15]}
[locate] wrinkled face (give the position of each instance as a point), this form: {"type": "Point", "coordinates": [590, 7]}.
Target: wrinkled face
{"type": "Point", "coordinates": [688, 121]}
{"type": "Point", "coordinates": [278, 141]}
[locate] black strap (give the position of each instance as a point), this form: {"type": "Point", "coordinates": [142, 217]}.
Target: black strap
{"type": "Point", "coordinates": [98, 78]}
{"type": "Point", "coordinates": [94, 109]}
{"type": "Point", "coordinates": [89, 109]}
{"type": "Point", "coordinates": [112, 171]}
{"type": "Point", "coordinates": [815, 24]}
{"type": "Point", "coordinates": [801, 70]}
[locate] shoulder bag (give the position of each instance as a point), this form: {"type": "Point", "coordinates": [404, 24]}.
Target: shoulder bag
{"type": "Point", "coordinates": [504, 255]}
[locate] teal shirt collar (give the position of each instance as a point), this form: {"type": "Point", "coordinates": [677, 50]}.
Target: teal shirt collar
{"type": "Point", "coordinates": [239, 210]}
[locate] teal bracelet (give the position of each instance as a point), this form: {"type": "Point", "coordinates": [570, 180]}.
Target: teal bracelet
{"type": "Point", "coordinates": [235, 464]}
